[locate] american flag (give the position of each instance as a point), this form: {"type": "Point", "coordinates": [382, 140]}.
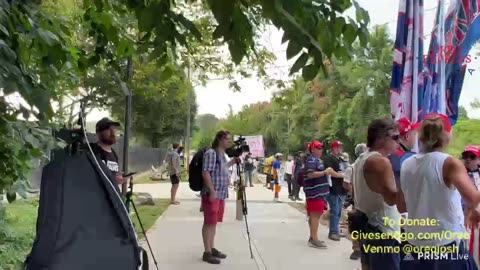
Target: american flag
{"type": "Point", "coordinates": [462, 30]}
{"type": "Point", "coordinates": [407, 78]}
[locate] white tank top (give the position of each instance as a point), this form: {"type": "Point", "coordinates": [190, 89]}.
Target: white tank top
{"type": "Point", "coordinates": [372, 203]}
{"type": "Point", "coordinates": [427, 196]}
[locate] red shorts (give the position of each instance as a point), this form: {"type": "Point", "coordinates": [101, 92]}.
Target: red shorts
{"type": "Point", "coordinates": [316, 206]}
{"type": "Point", "coordinates": [212, 211]}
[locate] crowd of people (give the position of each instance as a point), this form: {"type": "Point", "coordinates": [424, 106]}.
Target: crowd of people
{"type": "Point", "coordinates": [427, 201]}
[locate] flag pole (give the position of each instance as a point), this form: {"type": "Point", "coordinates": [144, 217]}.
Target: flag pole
{"type": "Point", "coordinates": [442, 106]}
{"type": "Point", "coordinates": [416, 34]}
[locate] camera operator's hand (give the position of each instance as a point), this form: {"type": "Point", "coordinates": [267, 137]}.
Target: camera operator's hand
{"type": "Point", "coordinates": [213, 196]}
{"type": "Point", "coordinates": [120, 179]}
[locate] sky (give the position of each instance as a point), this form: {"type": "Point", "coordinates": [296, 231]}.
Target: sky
{"type": "Point", "coordinates": [253, 90]}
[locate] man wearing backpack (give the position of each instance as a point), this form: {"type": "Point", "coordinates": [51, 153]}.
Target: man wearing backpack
{"type": "Point", "coordinates": [215, 192]}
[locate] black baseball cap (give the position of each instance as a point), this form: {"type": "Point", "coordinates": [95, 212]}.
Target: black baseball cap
{"type": "Point", "coordinates": [105, 123]}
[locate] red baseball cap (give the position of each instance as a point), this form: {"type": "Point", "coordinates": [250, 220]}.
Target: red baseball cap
{"type": "Point", "coordinates": [336, 144]}
{"type": "Point", "coordinates": [315, 144]}
{"type": "Point", "coordinates": [472, 149]}
{"type": "Point", "coordinates": [445, 119]}
{"type": "Point", "coordinates": [406, 126]}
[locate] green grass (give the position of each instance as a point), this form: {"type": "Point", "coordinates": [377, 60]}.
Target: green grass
{"type": "Point", "coordinates": [18, 232]}
{"type": "Point", "coordinates": [17, 236]}
{"type": "Point", "coordinates": [149, 214]}
{"type": "Point", "coordinates": [145, 179]}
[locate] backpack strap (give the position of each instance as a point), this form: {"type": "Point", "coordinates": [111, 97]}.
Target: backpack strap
{"type": "Point", "coordinates": [217, 155]}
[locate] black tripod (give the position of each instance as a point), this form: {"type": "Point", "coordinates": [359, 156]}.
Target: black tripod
{"type": "Point", "coordinates": [129, 201]}
{"type": "Point", "coordinates": [241, 195]}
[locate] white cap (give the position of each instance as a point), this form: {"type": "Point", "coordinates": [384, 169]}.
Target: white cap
{"type": "Point", "coordinates": [278, 155]}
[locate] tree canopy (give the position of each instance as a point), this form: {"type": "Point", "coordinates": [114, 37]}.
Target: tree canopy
{"type": "Point", "coordinates": [338, 107]}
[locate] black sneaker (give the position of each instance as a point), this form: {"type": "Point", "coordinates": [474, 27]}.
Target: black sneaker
{"type": "Point", "coordinates": [299, 199]}
{"type": "Point", "coordinates": [208, 257]}
{"type": "Point", "coordinates": [218, 254]}
{"type": "Point", "coordinates": [355, 255]}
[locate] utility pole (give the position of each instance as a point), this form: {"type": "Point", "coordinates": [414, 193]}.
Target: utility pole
{"type": "Point", "coordinates": [189, 101]}
{"type": "Point", "coordinates": [288, 134]}
{"type": "Point", "coordinates": [128, 112]}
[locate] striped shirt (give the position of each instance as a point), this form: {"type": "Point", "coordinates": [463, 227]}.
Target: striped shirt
{"type": "Point", "coordinates": [315, 188]}
{"type": "Point", "coordinates": [217, 167]}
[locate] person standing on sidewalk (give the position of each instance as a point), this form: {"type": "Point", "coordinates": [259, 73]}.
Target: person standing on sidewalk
{"type": "Point", "coordinates": [376, 195]}
{"type": "Point", "coordinates": [433, 184]}
{"type": "Point", "coordinates": [214, 193]}
{"type": "Point", "coordinates": [337, 192]}
{"type": "Point", "coordinates": [267, 170]}
{"type": "Point", "coordinates": [289, 176]}
{"type": "Point", "coordinates": [316, 191]}
{"type": "Point", "coordinates": [348, 181]}
{"type": "Point", "coordinates": [276, 175]}
{"type": "Point", "coordinates": [173, 160]}
{"type": "Point", "coordinates": [249, 167]}
{"type": "Point", "coordinates": [299, 164]}
{"type": "Point", "coordinates": [471, 160]}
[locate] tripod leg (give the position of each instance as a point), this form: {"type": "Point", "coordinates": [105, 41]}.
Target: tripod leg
{"type": "Point", "coordinates": [144, 233]}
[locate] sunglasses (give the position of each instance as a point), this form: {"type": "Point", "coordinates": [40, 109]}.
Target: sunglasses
{"type": "Point", "coordinates": [469, 157]}
{"type": "Point", "coordinates": [395, 137]}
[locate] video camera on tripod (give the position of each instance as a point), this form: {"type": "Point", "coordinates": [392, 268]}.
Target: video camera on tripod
{"type": "Point", "coordinates": [239, 147]}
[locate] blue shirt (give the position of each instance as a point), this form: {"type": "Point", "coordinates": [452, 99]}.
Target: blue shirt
{"type": "Point", "coordinates": [405, 156]}
{"type": "Point", "coordinates": [315, 188]}
{"type": "Point", "coordinates": [276, 164]}
{"type": "Point", "coordinates": [397, 159]}
{"type": "Point", "coordinates": [217, 167]}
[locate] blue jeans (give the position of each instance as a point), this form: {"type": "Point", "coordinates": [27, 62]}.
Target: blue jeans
{"type": "Point", "coordinates": [335, 202]}
{"type": "Point", "coordinates": [249, 175]}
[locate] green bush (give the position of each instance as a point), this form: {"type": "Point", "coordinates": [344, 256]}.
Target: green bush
{"type": "Point", "coordinates": [465, 132]}
{"type": "Point", "coordinates": [17, 232]}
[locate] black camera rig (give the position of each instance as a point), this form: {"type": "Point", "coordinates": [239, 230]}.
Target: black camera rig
{"type": "Point", "coordinates": [239, 147]}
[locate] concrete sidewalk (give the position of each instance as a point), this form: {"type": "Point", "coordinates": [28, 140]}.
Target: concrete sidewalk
{"type": "Point", "coordinates": [278, 232]}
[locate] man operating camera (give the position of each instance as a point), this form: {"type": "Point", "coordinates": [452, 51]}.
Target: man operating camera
{"type": "Point", "coordinates": [106, 130]}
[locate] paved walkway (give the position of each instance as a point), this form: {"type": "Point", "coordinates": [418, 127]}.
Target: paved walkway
{"type": "Point", "coordinates": [278, 231]}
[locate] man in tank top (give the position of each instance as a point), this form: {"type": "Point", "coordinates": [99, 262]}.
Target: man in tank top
{"type": "Point", "coordinates": [376, 196]}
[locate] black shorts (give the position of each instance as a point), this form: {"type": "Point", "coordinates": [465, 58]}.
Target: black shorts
{"type": "Point", "coordinates": [174, 179]}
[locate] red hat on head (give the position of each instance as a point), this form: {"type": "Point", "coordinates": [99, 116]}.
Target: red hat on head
{"type": "Point", "coordinates": [315, 144]}
{"type": "Point", "coordinates": [336, 144]}
{"type": "Point", "coordinates": [445, 119]}
{"type": "Point", "coordinates": [406, 126]}
{"type": "Point", "coordinates": [472, 149]}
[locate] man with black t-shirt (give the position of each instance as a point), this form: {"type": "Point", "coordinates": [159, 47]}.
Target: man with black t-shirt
{"type": "Point", "coordinates": [106, 135]}
{"type": "Point", "coordinates": [337, 191]}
